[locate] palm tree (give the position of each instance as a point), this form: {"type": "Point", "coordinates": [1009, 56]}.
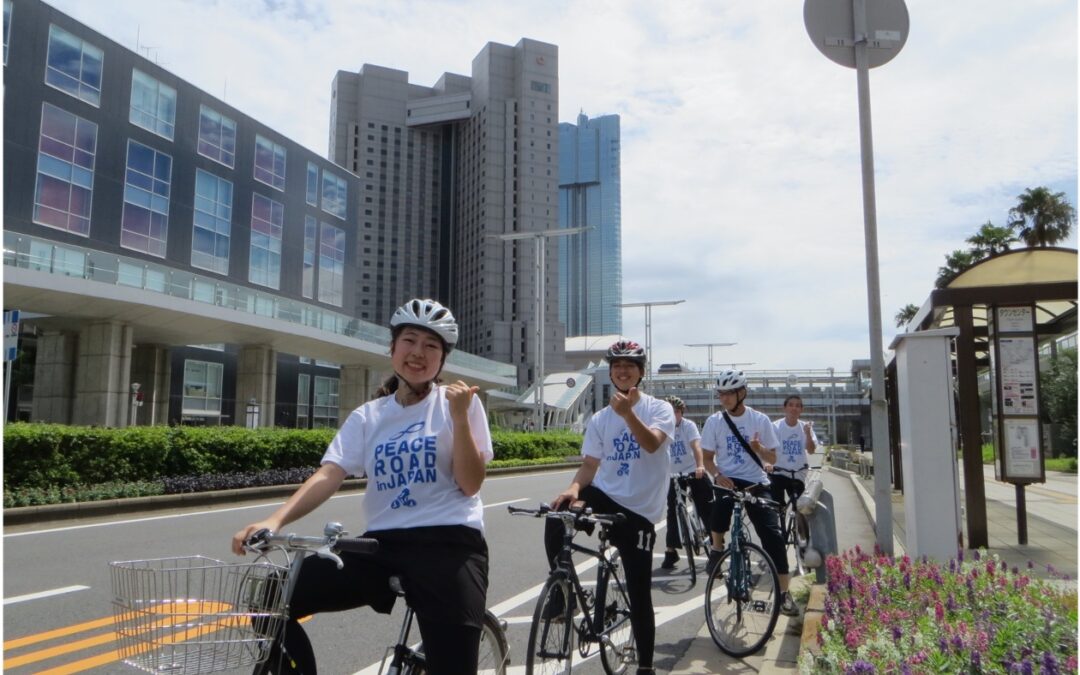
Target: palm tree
{"type": "Point", "coordinates": [906, 314]}
{"type": "Point", "coordinates": [1041, 217]}
{"type": "Point", "coordinates": [955, 263]}
{"type": "Point", "coordinates": [991, 239]}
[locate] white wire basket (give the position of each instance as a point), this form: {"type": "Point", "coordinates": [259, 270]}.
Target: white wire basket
{"type": "Point", "coordinates": [194, 614]}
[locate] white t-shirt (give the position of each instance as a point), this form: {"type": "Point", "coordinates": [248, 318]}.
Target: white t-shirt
{"type": "Point", "coordinates": [682, 455]}
{"type": "Point", "coordinates": [791, 453]}
{"type": "Point", "coordinates": [731, 457]}
{"type": "Point", "coordinates": [405, 452]}
{"type": "Point", "coordinates": [633, 477]}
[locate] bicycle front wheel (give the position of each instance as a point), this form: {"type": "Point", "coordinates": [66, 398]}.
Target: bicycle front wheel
{"type": "Point", "coordinates": [742, 600]}
{"type": "Point", "coordinates": [617, 650]}
{"type": "Point", "coordinates": [796, 538]}
{"type": "Point", "coordinates": [551, 635]}
{"type": "Point", "coordinates": [494, 652]}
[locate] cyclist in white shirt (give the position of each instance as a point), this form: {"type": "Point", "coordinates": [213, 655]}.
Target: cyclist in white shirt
{"type": "Point", "coordinates": [731, 465]}
{"type": "Point", "coordinates": [625, 470]}
{"type": "Point", "coordinates": [423, 447]}
{"type": "Point", "coordinates": [686, 460]}
{"type": "Point", "coordinates": [797, 438]}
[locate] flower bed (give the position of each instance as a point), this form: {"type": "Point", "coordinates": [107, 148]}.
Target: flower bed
{"type": "Point", "coordinates": [896, 615]}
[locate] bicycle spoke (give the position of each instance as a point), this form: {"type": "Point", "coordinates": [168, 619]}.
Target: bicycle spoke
{"type": "Point", "coordinates": [551, 635]}
{"type": "Point", "coordinates": [617, 650]}
{"type": "Point", "coordinates": [742, 601]}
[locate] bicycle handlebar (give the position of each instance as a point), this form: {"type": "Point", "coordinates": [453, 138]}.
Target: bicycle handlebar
{"type": "Point", "coordinates": [571, 517]}
{"type": "Point", "coordinates": [744, 496]}
{"type": "Point", "coordinates": [327, 546]}
{"type": "Point", "coordinates": [794, 473]}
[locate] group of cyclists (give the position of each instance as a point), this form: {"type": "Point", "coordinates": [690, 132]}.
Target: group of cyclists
{"type": "Point", "coordinates": [424, 447]}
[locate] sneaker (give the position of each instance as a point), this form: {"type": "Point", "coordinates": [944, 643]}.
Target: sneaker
{"type": "Point", "coordinates": [670, 558]}
{"type": "Point", "coordinates": [714, 560]}
{"type": "Point", "coordinates": [788, 606]}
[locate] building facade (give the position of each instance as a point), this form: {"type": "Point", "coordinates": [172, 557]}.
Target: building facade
{"type": "Point", "coordinates": [590, 265]}
{"type": "Point", "coordinates": [443, 171]}
{"type": "Point", "coordinates": [173, 257]}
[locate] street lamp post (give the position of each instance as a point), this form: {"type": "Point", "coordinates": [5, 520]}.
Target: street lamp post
{"type": "Point", "coordinates": [710, 346]}
{"type": "Point", "coordinates": [832, 407]}
{"type": "Point", "coordinates": [540, 246]}
{"type": "Point", "coordinates": [648, 328]}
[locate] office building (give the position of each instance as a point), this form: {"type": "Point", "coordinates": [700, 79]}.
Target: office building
{"type": "Point", "coordinates": [590, 265]}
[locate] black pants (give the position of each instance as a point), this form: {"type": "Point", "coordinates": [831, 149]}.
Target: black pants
{"type": "Point", "coordinates": [702, 494]}
{"type": "Point", "coordinates": [444, 572]}
{"type": "Point", "coordinates": [634, 538]}
{"type": "Point", "coordinates": [784, 488]}
{"type": "Point", "coordinates": [765, 519]}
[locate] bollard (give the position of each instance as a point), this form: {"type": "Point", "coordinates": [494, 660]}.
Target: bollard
{"type": "Point", "coordinates": [822, 523]}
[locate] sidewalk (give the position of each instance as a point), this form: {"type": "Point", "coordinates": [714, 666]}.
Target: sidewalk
{"type": "Point", "coordinates": [1052, 540]}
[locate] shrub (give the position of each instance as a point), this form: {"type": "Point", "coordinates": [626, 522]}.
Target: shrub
{"type": "Point", "coordinates": [889, 615]}
{"type": "Point", "coordinates": [35, 496]}
{"type": "Point", "coordinates": [518, 445]}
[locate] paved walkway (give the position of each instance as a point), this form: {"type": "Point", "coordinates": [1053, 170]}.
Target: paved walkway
{"type": "Point", "coordinates": [1052, 540]}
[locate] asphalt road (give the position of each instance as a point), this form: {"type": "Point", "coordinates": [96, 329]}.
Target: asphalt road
{"type": "Point", "coordinates": [57, 597]}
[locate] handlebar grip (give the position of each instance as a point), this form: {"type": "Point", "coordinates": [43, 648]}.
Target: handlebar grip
{"type": "Point", "coordinates": [257, 539]}
{"type": "Point", "coordinates": [357, 545]}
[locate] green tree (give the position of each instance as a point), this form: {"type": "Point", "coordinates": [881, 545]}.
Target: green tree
{"type": "Point", "coordinates": [991, 239]}
{"type": "Point", "coordinates": [1041, 217]}
{"type": "Point", "coordinates": [1059, 396]}
{"type": "Point", "coordinates": [906, 314]}
{"type": "Point", "coordinates": [955, 263]}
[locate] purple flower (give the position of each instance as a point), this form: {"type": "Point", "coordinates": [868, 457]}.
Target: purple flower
{"type": "Point", "coordinates": [976, 661]}
{"type": "Point", "coordinates": [1031, 565]}
{"type": "Point", "coordinates": [960, 555]}
{"type": "Point", "coordinates": [943, 645]}
{"type": "Point", "coordinates": [1026, 668]}
{"type": "Point", "coordinates": [907, 580]}
{"type": "Point", "coordinates": [1050, 664]}
{"type": "Point", "coordinates": [905, 669]}
{"type": "Point", "coordinates": [975, 555]}
{"type": "Point", "coordinates": [952, 565]}
{"type": "Point", "coordinates": [860, 666]}
{"type": "Point", "coordinates": [950, 604]}
{"type": "Point", "coordinates": [958, 643]}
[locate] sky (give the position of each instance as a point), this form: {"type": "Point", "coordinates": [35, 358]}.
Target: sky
{"type": "Point", "coordinates": [741, 174]}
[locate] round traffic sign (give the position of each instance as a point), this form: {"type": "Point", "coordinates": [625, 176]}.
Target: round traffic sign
{"type": "Point", "coordinates": [831, 27]}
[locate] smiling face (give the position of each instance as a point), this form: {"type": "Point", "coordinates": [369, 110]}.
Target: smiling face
{"type": "Point", "coordinates": [793, 408]}
{"type": "Point", "coordinates": [625, 374]}
{"type": "Point", "coordinates": [732, 400]}
{"type": "Point", "coordinates": [417, 355]}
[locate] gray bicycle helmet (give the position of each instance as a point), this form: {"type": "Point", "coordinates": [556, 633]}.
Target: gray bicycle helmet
{"type": "Point", "coordinates": [676, 402]}
{"type": "Point", "coordinates": [427, 314]}
{"type": "Point", "coordinates": [730, 380]}
{"type": "Point", "coordinates": [627, 349]}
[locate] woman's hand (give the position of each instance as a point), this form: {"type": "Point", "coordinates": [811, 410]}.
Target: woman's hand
{"type": "Point", "coordinates": [459, 397]}
{"type": "Point", "coordinates": [240, 537]}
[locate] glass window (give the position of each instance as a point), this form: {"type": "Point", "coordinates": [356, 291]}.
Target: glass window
{"type": "Point", "coordinates": [153, 105]}
{"type": "Point", "coordinates": [144, 223]}
{"type": "Point", "coordinates": [7, 27]}
{"type": "Point", "coordinates": [303, 396]}
{"type": "Point", "coordinates": [331, 265]}
{"type": "Point", "coordinates": [202, 388]}
{"type": "Point", "coordinates": [309, 257]}
{"type": "Point", "coordinates": [334, 194]}
{"type": "Point", "coordinates": [264, 266]}
{"type": "Point", "coordinates": [217, 136]}
{"type": "Point", "coordinates": [312, 184]}
{"type": "Point", "coordinates": [326, 402]}
{"type": "Point", "coordinates": [269, 163]}
{"type": "Point", "coordinates": [72, 65]}
{"type": "Point", "coordinates": [67, 148]}
{"type": "Point", "coordinates": [212, 224]}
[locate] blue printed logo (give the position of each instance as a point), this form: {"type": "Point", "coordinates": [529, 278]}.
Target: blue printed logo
{"type": "Point", "coordinates": [407, 457]}
{"type": "Point", "coordinates": [624, 448]}
{"type": "Point", "coordinates": [678, 452]}
{"type": "Point", "coordinates": [624, 469]}
{"type": "Point", "coordinates": [735, 453]}
{"type": "Point", "coordinates": [792, 448]}
{"type": "Point", "coordinates": [403, 499]}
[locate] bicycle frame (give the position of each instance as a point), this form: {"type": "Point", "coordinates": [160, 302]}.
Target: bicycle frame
{"type": "Point", "coordinates": [564, 566]}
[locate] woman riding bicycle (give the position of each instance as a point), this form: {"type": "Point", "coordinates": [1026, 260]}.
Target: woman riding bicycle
{"type": "Point", "coordinates": [423, 447]}
{"type": "Point", "coordinates": [729, 438]}
{"type": "Point", "coordinates": [686, 460]}
{"type": "Point", "coordinates": [625, 470]}
{"type": "Point", "coordinates": [797, 438]}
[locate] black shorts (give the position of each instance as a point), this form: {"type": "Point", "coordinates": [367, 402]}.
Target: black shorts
{"type": "Point", "coordinates": [444, 570]}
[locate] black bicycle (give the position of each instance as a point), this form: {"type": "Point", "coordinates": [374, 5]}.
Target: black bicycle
{"type": "Point", "coordinates": [604, 617]}
{"type": "Point", "coordinates": [692, 530]}
{"type": "Point", "coordinates": [742, 596]}
{"type": "Point", "coordinates": [793, 525]}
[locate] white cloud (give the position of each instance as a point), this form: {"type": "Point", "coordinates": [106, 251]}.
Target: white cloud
{"type": "Point", "coordinates": [741, 176]}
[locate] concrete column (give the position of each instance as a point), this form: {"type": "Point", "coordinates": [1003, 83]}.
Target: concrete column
{"type": "Point", "coordinates": [256, 378]}
{"type": "Point", "coordinates": [103, 374]}
{"type": "Point", "coordinates": [150, 367]}
{"type": "Point", "coordinates": [54, 377]}
{"type": "Point", "coordinates": [354, 389]}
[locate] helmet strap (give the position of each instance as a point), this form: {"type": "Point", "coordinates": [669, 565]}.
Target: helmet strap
{"type": "Point", "coordinates": [411, 394]}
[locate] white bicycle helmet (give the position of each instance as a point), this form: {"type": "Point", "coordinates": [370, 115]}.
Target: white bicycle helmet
{"type": "Point", "coordinates": [730, 380]}
{"type": "Point", "coordinates": [427, 314]}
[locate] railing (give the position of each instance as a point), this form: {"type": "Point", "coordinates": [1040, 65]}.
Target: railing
{"type": "Point", "coordinates": [28, 252]}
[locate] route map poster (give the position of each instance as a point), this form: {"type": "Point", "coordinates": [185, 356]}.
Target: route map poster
{"type": "Point", "coordinates": [1018, 379]}
{"type": "Point", "coordinates": [1022, 448]}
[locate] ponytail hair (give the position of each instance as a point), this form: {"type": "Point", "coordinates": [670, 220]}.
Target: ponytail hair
{"type": "Point", "coordinates": [390, 385]}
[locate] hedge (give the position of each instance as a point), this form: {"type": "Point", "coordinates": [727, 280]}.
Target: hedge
{"type": "Point", "coordinates": [47, 456]}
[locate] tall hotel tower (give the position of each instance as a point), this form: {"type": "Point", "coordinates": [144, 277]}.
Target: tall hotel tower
{"type": "Point", "coordinates": [443, 171]}
{"type": "Point", "coordinates": [590, 265]}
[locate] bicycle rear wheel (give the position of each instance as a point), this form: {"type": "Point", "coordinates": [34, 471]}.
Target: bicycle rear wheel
{"type": "Point", "coordinates": [742, 600]}
{"type": "Point", "coordinates": [494, 652]}
{"type": "Point", "coordinates": [795, 537]}
{"type": "Point", "coordinates": [551, 635]}
{"type": "Point", "coordinates": [683, 516]}
{"type": "Point", "coordinates": [617, 651]}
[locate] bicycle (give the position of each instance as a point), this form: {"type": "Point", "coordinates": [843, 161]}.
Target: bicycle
{"type": "Point", "coordinates": [692, 531]}
{"type": "Point", "coordinates": [742, 596]}
{"type": "Point", "coordinates": [793, 525]}
{"type": "Point", "coordinates": [230, 615]}
{"type": "Point", "coordinates": [605, 616]}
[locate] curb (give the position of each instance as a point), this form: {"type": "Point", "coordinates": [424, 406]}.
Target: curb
{"type": "Point", "coordinates": [24, 515]}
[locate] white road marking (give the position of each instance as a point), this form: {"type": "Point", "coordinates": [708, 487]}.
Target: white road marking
{"type": "Point", "coordinates": [44, 594]}
{"type": "Point", "coordinates": [511, 501]}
